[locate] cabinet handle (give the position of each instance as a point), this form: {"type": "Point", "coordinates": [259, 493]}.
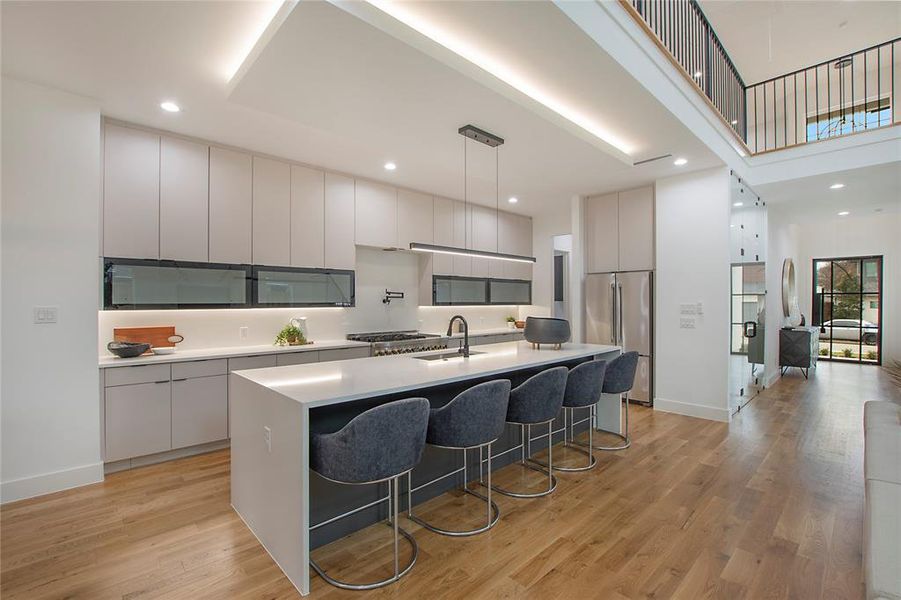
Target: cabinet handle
{"type": "Point", "coordinates": [182, 379]}
{"type": "Point", "coordinates": [163, 381]}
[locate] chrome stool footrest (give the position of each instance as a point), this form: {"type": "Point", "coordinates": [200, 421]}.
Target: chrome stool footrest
{"type": "Point", "coordinates": [526, 462]}
{"type": "Point", "coordinates": [376, 584]}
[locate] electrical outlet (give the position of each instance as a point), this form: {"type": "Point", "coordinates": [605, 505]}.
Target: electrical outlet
{"type": "Point", "coordinates": [267, 437]}
{"type": "Point", "coordinates": [242, 331]}
{"type": "Point", "coordinates": [45, 314]}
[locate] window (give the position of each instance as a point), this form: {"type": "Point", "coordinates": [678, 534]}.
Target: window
{"type": "Point", "coordinates": [130, 284]}
{"type": "Point", "coordinates": [448, 290]}
{"type": "Point", "coordinates": [848, 119]}
{"type": "Point", "coordinates": [847, 296]}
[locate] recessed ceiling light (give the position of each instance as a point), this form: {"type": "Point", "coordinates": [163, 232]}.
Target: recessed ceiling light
{"type": "Point", "coordinates": [512, 199]}
{"type": "Point", "coordinates": [698, 74]}
{"type": "Point", "coordinates": [390, 166]}
{"type": "Point", "coordinates": [735, 121]}
{"type": "Point", "coordinates": [679, 162]}
{"type": "Point", "coordinates": [836, 186]}
{"type": "Point", "coordinates": [844, 213]}
{"type": "Point", "coordinates": [169, 106]}
{"type": "Point", "coordinates": [738, 204]}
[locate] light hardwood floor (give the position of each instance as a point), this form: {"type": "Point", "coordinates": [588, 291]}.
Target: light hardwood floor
{"type": "Point", "coordinates": [767, 507]}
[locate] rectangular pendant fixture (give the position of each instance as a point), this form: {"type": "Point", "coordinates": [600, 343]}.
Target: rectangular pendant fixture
{"type": "Point", "coordinates": [434, 249]}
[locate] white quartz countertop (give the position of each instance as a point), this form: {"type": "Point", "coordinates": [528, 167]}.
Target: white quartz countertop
{"type": "Point", "coordinates": [110, 360]}
{"type": "Point", "coordinates": [320, 384]}
{"type": "Point", "coordinates": [475, 332]}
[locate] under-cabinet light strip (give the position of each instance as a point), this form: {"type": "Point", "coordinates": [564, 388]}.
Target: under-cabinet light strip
{"type": "Point", "coordinates": [420, 247]}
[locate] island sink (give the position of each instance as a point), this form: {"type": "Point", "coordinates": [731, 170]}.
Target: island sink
{"type": "Point", "coordinates": [447, 355]}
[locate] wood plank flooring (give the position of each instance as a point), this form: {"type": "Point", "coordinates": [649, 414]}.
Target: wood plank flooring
{"type": "Point", "coordinates": [769, 506]}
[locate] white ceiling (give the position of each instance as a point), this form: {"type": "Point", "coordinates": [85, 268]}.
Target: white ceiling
{"type": "Point", "coordinates": [767, 38]}
{"type": "Point", "coordinates": [867, 190]}
{"type": "Point", "coordinates": [332, 90]}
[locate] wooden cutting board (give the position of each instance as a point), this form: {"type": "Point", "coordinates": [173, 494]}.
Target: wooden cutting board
{"type": "Point", "coordinates": [155, 336]}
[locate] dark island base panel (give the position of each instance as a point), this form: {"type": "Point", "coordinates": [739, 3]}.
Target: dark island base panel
{"type": "Point", "coordinates": [329, 499]}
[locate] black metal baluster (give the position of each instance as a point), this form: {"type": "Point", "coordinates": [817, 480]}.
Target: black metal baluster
{"type": "Point", "coordinates": [828, 96]}
{"type": "Point", "coordinates": [879, 87]}
{"type": "Point", "coordinates": [784, 115]}
{"type": "Point", "coordinates": [816, 84]}
{"type": "Point", "coordinates": [866, 75]}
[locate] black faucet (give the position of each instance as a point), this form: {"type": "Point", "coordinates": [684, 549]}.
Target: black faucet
{"type": "Point", "coordinates": [464, 349]}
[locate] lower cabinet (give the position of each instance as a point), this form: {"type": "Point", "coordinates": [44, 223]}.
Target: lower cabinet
{"type": "Point", "coordinates": [138, 419]}
{"type": "Point", "coordinates": [199, 410]}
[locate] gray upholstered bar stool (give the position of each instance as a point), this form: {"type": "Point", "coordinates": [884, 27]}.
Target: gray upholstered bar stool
{"type": "Point", "coordinates": [473, 419]}
{"type": "Point", "coordinates": [536, 401]}
{"type": "Point", "coordinates": [583, 390]}
{"type": "Point", "coordinates": [619, 379]}
{"type": "Point", "coordinates": [379, 445]}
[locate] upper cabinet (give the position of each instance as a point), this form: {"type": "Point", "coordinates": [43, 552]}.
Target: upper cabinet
{"type": "Point", "coordinates": [515, 237]}
{"type": "Point", "coordinates": [443, 235]}
{"type": "Point", "coordinates": [184, 200]}
{"type": "Point", "coordinates": [231, 206]}
{"type": "Point", "coordinates": [340, 252]}
{"type": "Point", "coordinates": [619, 231]}
{"type": "Point", "coordinates": [131, 193]}
{"type": "Point", "coordinates": [307, 217]}
{"type": "Point", "coordinates": [376, 214]}
{"type": "Point", "coordinates": [271, 212]}
{"type": "Point", "coordinates": [415, 218]}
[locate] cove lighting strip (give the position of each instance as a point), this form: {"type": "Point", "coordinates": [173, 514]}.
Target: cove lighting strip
{"type": "Point", "coordinates": [505, 73]}
{"type": "Point", "coordinates": [419, 247]}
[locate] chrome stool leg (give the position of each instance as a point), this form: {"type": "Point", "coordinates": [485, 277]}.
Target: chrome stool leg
{"type": "Point", "coordinates": [574, 445]}
{"type": "Point", "coordinates": [527, 463]}
{"type": "Point", "coordinates": [392, 522]}
{"type": "Point", "coordinates": [624, 435]}
{"type": "Point", "coordinates": [492, 507]}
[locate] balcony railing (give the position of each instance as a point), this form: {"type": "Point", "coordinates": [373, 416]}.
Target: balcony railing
{"type": "Point", "coordinates": [845, 95]}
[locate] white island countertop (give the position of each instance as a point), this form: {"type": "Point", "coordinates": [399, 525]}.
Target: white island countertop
{"type": "Point", "coordinates": [321, 384]}
{"type": "Point", "coordinates": [110, 360]}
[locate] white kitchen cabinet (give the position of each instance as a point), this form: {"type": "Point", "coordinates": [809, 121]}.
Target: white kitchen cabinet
{"type": "Point", "coordinates": [484, 237]}
{"type": "Point", "coordinates": [515, 237]}
{"type": "Point", "coordinates": [137, 419]}
{"type": "Point", "coordinates": [271, 212]}
{"type": "Point", "coordinates": [636, 229]}
{"type": "Point", "coordinates": [619, 231]}
{"type": "Point", "coordinates": [343, 353]}
{"type": "Point", "coordinates": [602, 233]}
{"type": "Point", "coordinates": [307, 217]}
{"type": "Point", "coordinates": [376, 214]}
{"type": "Point", "coordinates": [443, 230]}
{"type": "Point", "coordinates": [231, 206]}
{"type": "Point", "coordinates": [340, 249]}
{"type": "Point", "coordinates": [415, 218]}
{"type": "Point", "coordinates": [184, 200]}
{"type": "Point", "coordinates": [199, 410]}
{"type": "Point", "coordinates": [259, 361]}
{"type": "Point", "coordinates": [462, 239]}
{"type": "Point", "coordinates": [131, 193]}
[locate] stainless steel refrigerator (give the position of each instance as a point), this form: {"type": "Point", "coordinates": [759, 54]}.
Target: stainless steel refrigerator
{"type": "Point", "coordinates": [619, 310]}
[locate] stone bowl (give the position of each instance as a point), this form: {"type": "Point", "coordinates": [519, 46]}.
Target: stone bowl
{"type": "Point", "coordinates": [546, 330]}
{"type": "Point", "coordinates": [127, 349]}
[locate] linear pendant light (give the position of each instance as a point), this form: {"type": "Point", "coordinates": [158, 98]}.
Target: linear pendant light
{"type": "Point", "coordinates": [489, 139]}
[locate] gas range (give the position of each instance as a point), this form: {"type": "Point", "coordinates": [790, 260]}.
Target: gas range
{"type": "Point", "coordinates": [383, 343]}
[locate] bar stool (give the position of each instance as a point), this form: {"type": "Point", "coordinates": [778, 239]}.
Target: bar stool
{"type": "Point", "coordinates": [583, 390]}
{"type": "Point", "coordinates": [536, 401]}
{"type": "Point", "coordinates": [619, 379]}
{"type": "Point", "coordinates": [473, 419]}
{"type": "Point", "coordinates": [379, 445]}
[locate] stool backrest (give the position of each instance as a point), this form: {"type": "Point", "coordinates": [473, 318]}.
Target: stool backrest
{"type": "Point", "coordinates": [474, 417]}
{"type": "Point", "coordinates": [621, 373]}
{"type": "Point", "coordinates": [382, 442]}
{"type": "Point", "coordinates": [584, 383]}
{"type": "Point", "coordinates": [538, 399]}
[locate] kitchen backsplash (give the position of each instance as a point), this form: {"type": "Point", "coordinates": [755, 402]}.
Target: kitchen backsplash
{"type": "Point", "coordinates": [376, 271]}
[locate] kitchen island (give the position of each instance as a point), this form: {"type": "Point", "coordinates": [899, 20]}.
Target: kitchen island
{"type": "Point", "coordinates": [274, 410]}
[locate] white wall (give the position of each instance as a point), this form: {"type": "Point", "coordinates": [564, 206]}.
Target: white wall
{"type": "Point", "coordinates": [692, 258]}
{"type": "Point", "coordinates": [375, 271]}
{"type": "Point", "coordinates": [50, 241]}
{"type": "Point", "coordinates": [783, 241]}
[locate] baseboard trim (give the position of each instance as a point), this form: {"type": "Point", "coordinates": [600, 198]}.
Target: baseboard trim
{"type": "Point", "coordinates": [48, 483]}
{"type": "Point", "coordinates": [692, 410]}
{"type": "Point", "coordinates": [770, 379]}
{"type": "Point", "coordinates": [153, 459]}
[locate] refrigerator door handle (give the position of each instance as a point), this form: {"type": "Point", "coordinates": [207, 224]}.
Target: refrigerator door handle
{"type": "Point", "coordinates": [612, 313]}
{"type": "Point", "coordinates": [622, 331]}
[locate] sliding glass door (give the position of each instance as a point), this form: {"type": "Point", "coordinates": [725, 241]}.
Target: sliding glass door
{"type": "Point", "coordinates": [847, 306]}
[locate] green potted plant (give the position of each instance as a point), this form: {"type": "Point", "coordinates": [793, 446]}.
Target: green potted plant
{"type": "Point", "coordinates": [511, 322]}
{"type": "Point", "coordinates": [290, 335]}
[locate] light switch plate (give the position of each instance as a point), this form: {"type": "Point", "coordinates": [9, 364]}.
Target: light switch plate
{"type": "Point", "coordinates": [44, 315]}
